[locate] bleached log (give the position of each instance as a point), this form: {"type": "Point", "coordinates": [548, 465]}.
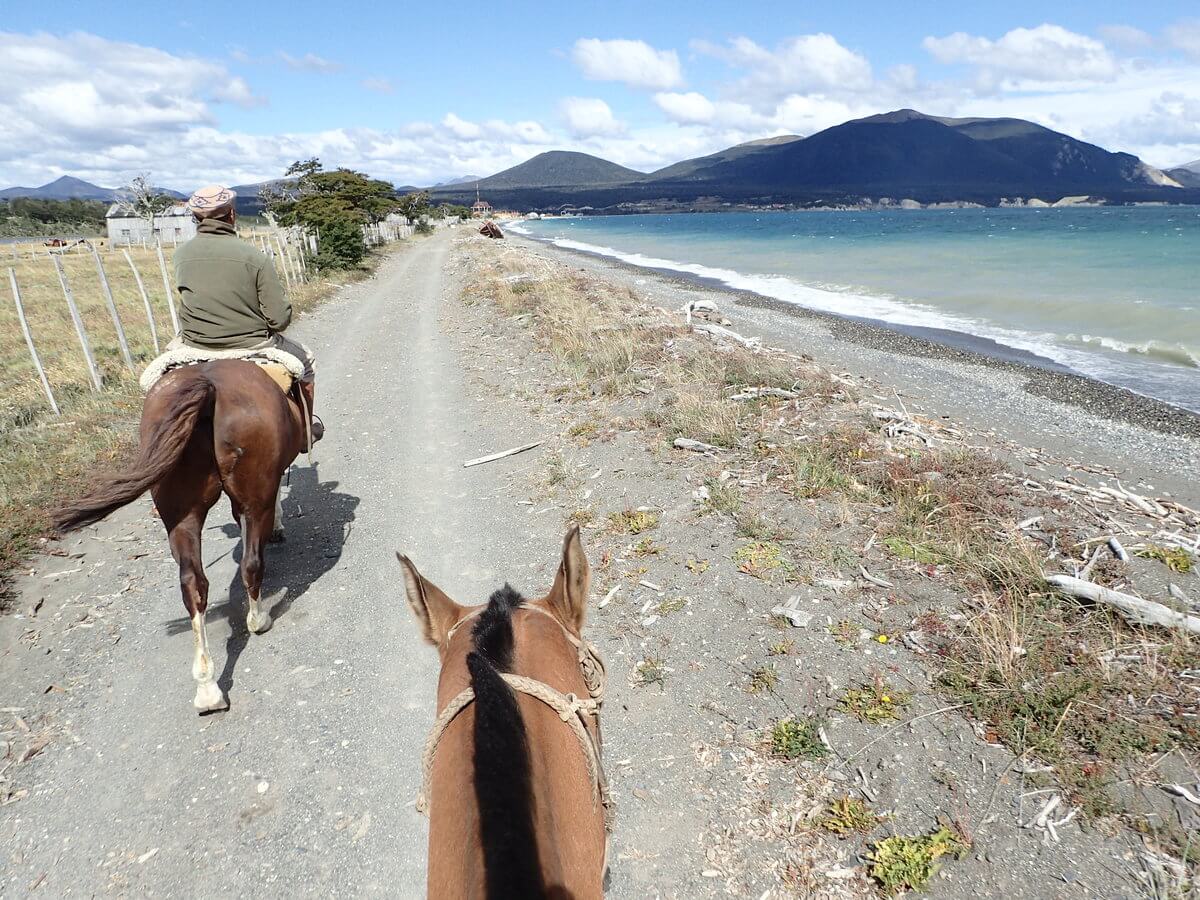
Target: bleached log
{"type": "Point", "coordinates": [501, 455]}
{"type": "Point", "coordinates": [1135, 609]}
{"type": "Point", "coordinates": [758, 393]}
{"type": "Point", "coordinates": [728, 333]}
{"type": "Point", "coordinates": [1117, 550]}
{"type": "Point", "coordinates": [697, 446]}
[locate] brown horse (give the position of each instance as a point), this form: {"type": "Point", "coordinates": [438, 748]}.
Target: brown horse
{"type": "Point", "coordinates": [220, 426]}
{"type": "Point", "coordinates": [513, 781]}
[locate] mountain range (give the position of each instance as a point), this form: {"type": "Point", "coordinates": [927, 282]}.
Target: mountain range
{"type": "Point", "coordinates": [900, 155]}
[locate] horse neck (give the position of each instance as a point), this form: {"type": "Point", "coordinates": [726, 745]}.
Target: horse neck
{"type": "Point", "coordinates": [555, 823]}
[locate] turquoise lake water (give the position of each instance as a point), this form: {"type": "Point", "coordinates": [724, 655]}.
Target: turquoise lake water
{"type": "Point", "coordinates": [1111, 293]}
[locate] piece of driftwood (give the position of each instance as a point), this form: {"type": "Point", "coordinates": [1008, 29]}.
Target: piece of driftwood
{"type": "Point", "coordinates": [728, 333]}
{"type": "Point", "coordinates": [759, 393]}
{"type": "Point", "coordinates": [162, 267]}
{"type": "Point", "coordinates": [112, 310]}
{"type": "Point", "coordinates": [696, 446]}
{"type": "Point", "coordinates": [874, 579]}
{"type": "Point", "coordinates": [97, 381]}
{"type": "Point", "coordinates": [137, 276]}
{"type": "Point", "coordinates": [1117, 550]}
{"type": "Point", "coordinates": [1135, 609]}
{"type": "Point", "coordinates": [37, 362]}
{"type": "Point", "coordinates": [501, 455]}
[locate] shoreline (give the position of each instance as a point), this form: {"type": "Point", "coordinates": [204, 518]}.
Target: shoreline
{"type": "Point", "coordinates": [1047, 378]}
{"type": "Point", "coordinates": [1072, 415]}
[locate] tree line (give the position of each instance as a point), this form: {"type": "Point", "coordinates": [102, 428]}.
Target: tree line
{"type": "Point", "coordinates": [34, 216]}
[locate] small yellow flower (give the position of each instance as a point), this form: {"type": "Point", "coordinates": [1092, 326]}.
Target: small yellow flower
{"type": "Point", "coordinates": [885, 699]}
{"type": "Point", "coordinates": [883, 638]}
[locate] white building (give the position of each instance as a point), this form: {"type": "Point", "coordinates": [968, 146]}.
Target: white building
{"type": "Point", "coordinates": [172, 226]}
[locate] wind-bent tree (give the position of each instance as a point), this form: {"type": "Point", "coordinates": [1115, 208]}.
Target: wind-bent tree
{"type": "Point", "coordinates": [144, 200]}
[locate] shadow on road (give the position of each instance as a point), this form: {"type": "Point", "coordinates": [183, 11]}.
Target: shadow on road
{"type": "Point", "coordinates": [317, 518]}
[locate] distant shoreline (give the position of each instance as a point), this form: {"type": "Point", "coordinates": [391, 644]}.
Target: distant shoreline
{"type": "Point", "coordinates": [1043, 377]}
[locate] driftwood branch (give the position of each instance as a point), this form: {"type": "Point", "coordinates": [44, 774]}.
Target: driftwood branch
{"type": "Point", "coordinates": [1135, 609]}
{"type": "Point", "coordinates": [503, 453]}
{"type": "Point", "coordinates": [759, 393]}
{"type": "Point", "coordinates": [697, 446]}
{"type": "Point", "coordinates": [728, 333]}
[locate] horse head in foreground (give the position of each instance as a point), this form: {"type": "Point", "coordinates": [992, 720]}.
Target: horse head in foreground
{"type": "Point", "coordinates": [220, 426]}
{"type": "Point", "coordinates": [513, 778]}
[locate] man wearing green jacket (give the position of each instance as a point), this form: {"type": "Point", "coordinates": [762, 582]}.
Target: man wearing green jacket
{"type": "Point", "coordinates": [230, 296]}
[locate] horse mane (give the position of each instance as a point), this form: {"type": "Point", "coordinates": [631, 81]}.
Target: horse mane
{"type": "Point", "coordinates": [503, 783]}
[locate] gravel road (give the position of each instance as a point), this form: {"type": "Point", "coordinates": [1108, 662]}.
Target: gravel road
{"type": "Point", "coordinates": [307, 783]}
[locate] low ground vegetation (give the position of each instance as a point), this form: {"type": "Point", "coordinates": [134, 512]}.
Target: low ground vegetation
{"type": "Point", "coordinates": [817, 487]}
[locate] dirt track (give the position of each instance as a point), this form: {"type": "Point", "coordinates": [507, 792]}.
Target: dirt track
{"type": "Point", "coordinates": [308, 782]}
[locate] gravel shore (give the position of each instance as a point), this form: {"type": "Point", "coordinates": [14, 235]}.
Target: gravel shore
{"type": "Point", "coordinates": [1000, 393]}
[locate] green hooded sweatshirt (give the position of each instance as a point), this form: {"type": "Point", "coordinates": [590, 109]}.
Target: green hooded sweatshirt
{"type": "Point", "coordinates": [229, 293]}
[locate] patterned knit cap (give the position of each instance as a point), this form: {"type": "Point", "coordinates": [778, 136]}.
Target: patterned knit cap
{"type": "Point", "coordinates": [212, 200]}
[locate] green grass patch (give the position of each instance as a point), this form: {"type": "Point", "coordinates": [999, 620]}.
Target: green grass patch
{"type": "Point", "coordinates": [875, 703]}
{"type": "Point", "coordinates": [633, 521]}
{"type": "Point", "coordinates": [908, 863]}
{"type": "Point", "coordinates": [849, 815]}
{"type": "Point", "coordinates": [798, 739]}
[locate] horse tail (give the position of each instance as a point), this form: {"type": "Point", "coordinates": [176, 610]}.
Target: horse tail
{"type": "Point", "coordinates": [157, 456]}
{"type": "Point", "coordinates": [503, 779]}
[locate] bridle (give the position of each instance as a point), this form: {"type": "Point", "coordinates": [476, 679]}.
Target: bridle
{"type": "Point", "coordinates": [574, 712]}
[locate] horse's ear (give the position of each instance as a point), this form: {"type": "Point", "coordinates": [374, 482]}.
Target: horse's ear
{"type": "Point", "coordinates": [435, 613]}
{"type": "Point", "coordinates": [568, 597]}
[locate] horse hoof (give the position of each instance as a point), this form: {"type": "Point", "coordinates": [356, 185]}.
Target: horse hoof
{"type": "Point", "coordinates": [277, 536]}
{"type": "Point", "coordinates": [209, 698]}
{"type": "Point", "coordinates": [258, 624]}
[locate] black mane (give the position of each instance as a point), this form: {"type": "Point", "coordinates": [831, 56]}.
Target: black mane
{"type": "Point", "coordinates": [503, 787]}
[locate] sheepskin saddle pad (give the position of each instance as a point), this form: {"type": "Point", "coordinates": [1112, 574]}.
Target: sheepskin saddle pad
{"type": "Point", "coordinates": [283, 368]}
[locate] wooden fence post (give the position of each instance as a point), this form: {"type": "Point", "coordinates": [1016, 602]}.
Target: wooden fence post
{"type": "Point", "coordinates": [137, 276]}
{"type": "Point", "coordinates": [162, 267]}
{"type": "Point", "coordinates": [97, 381]}
{"type": "Point", "coordinates": [112, 310]}
{"type": "Point", "coordinates": [37, 363]}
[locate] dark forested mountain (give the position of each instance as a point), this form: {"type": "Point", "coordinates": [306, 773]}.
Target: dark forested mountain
{"type": "Point", "coordinates": [64, 188]}
{"type": "Point", "coordinates": [559, 168]}
{"type": "Point", "coordinates": [898, 155]}
{"type": "Point", "coordinates": [696, 168]}
{"type": "Point", "coordinates": [69, 188]}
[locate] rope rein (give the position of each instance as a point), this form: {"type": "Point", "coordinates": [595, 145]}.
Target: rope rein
{"type": "Point", "coordinates": [570, 708]}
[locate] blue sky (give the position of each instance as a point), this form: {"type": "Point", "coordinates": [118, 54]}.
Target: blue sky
{"type": "Point", "coordinates": [421, 92]}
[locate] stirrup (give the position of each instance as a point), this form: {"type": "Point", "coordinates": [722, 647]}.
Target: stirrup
{"type": "Point", "coordinates": [318, 428]}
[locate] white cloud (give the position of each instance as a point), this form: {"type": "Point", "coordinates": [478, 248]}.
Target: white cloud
{"type": "Point", "coordinates": [1185, 36]}
{"type": "Point", "coordinates": [808, 62]}
{"type": "Point", "coordinates": [309, 62]}
{"type": "Point", "coordinates": [379, 85]}
{"type": "Point", "coordinates": [1125, 36]}
{"type": "Point", "coordinates": [589, 116]}
{"type": "Point", "coordinates": [1048, 53]}
{"type": "Point", "coordinates": [461, 128]}
{"type": "Point", "coordinates": [634, 63]}
{"type": "Point", "coordinates": [690, 108]}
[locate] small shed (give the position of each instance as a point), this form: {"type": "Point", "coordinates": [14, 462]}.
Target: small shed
{"type": "Point", "coordinates": [172, 226]}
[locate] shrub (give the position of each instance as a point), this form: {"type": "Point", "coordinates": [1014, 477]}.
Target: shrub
{"type": "Point", "coordinates": [341, 245]}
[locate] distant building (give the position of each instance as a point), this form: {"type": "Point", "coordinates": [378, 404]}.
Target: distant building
{"type": "Point", "coordinates": [481, 209]}
{"type": "Point", "coordinates": [172, 226]}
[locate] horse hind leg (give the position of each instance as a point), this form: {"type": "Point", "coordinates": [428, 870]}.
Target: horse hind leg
{"type": "Point", "coordinates": [277, 534]}
{"type": "Point", "coordinates": [256, 529]}
{"type": "Point", "coordinates": [184, 537]}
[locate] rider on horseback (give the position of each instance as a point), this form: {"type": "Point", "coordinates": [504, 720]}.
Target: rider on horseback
{"type": "Point", "coordinates": [229, 293]}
